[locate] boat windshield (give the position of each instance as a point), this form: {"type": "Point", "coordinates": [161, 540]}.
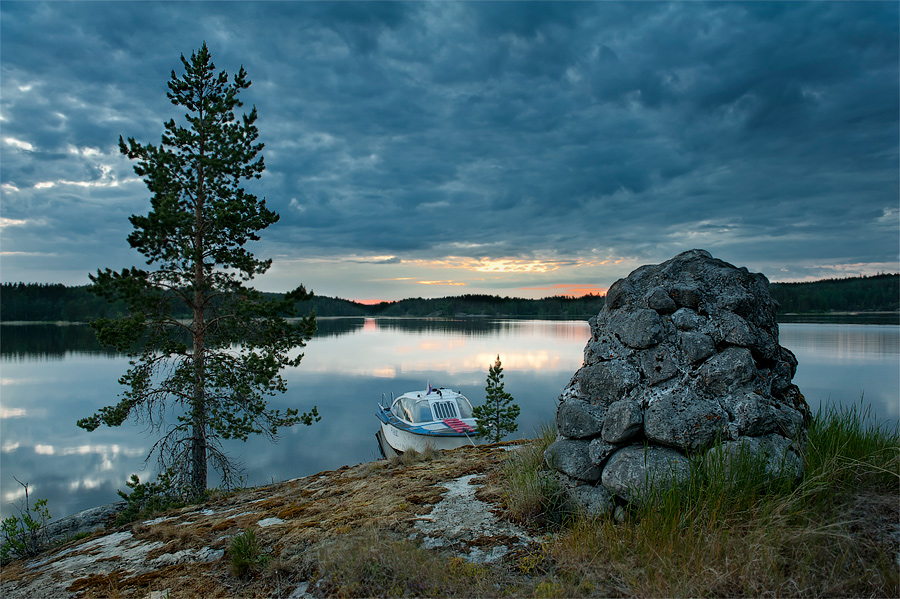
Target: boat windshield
{"type": "Point", "coordinates": [428, 407]}
{"type": "Point", "coordinates": [413, 409]}
{"type": "Point", "coordinates": [465, 408]}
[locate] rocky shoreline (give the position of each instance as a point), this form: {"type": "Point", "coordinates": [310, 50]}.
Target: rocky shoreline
{"type": "Point", "coordinates": [450, 502]}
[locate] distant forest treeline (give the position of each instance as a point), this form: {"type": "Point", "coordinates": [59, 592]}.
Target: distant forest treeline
{"type": "Point", "coordinates": [54, 302]}
{"type": "Point", "coordinates": [878, 293]}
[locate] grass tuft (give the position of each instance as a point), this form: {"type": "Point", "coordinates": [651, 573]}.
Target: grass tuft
{"type": "Point", "coordinates": [413, 456]}
{"type": "Point", "coordinates": [246, 554]}
{"type": "Point", "coordinates": [735, 531]}
{"type": "Point", "coordinates": [533, 494]}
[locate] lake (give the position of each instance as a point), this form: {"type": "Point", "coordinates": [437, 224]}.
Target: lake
{"type": "Point", "coordinates": [50, 376]}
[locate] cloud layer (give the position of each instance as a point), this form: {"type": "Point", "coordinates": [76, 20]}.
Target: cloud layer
{"type": "Point", "coordinates": [507, 147]}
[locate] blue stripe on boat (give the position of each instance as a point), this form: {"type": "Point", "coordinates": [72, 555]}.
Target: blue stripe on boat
{"type": "Point", "coordinates": [388, 417]}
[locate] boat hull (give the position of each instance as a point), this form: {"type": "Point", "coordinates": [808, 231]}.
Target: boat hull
{"type": "Point", "coordinates": [402, 440]}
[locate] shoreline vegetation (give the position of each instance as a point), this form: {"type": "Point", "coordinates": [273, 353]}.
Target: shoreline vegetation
{"type": "Point", "coordinates": [737, 532]}
{"type": "Point", "coordinates": [874, 298]}
{"type": "Point", "coordinates": [723, 533]}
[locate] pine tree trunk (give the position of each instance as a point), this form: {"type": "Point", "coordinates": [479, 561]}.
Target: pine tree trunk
{"type": "Point", "coordinates": [198, 440]}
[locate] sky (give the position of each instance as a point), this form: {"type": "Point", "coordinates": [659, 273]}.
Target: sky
{"type": "Point", "coordinates": [430, 149]}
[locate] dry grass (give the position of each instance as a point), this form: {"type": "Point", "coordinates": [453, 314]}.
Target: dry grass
{"type": "Point", "coordinates": [377, 563]}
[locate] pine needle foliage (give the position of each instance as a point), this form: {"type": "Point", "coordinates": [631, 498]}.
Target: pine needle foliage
{"type": "Point", "coordinates": [213, 370]}
{"type": "Point", "coordinates": [496, 417]}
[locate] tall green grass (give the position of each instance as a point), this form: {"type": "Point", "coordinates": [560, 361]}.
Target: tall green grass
{"type": "Point", "coordinates": [532, 493]}
{"type": "Point", "coordinates": [735, 532]}
{"type": "Point", "coordinates": [848, 448]}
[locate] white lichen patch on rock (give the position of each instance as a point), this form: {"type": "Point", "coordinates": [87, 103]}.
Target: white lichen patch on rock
{"type": "Point", "coordinates": [204, 554]}
{"type": "Point", "coordinates": [270, 521]}
{"type": "Point", "coordinates": [465, 523]}
{"type": "Point", "coordinates": [118, 551]}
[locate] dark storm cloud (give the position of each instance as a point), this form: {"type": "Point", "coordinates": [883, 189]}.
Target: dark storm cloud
{"type": "Point", "coordinates": [418, 130]}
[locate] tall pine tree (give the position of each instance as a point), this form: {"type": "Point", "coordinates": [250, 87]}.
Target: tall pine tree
{"type": "Point", "coordinates": [496, 417]}
{"type": "Point", "coordinates": [214, 370]}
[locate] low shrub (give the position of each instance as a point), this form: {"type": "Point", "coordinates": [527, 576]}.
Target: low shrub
{"type": "Point", "coordinates": [373, 563]}
{"type": "Point", "coordinates": [24, 535]}
{"type": "Point", "coordinates": [150, 498]}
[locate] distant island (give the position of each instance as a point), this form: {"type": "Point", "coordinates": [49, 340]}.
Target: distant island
{"type": "Point", "coordinates": [41, 302]}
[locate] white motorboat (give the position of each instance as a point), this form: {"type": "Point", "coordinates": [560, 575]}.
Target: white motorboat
{"type": "Point", "coordinates": [436, 418]}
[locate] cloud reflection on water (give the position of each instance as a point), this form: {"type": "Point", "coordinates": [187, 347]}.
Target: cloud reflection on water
{"type": "Point", "coordinates": [346, 369]}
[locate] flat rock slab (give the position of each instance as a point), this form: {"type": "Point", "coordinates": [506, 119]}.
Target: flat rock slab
{"type": "Point", "coordinates": [99, 558]}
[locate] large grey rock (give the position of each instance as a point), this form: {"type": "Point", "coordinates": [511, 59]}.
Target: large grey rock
{"type": "Point", "coordinates": [692, 343]}
{"type": "Point", "coordinates": [571, 457]}
{"type": "Point", "coordinates": [623, 421]}
{"type": "Point", "coordinates": [775, 453]}
{"type": "Point", "coordinates": [752, 414]}
{"type": "Point", "coordinates": [789, 421]}
{"type": "Point", "coordinates": [679, 418]}
{"type": "Point", "coordinates": [695, 347]}
{"type": "Point", "coordinates": [618, 294]}
{"type": "Point", "coordinates": [784, 370]}
{"type": "Point", "coordinates": [636, 470]}
{"type": "Point", "coordinates": [639, 328]}
{"type": "Point", "coordinates": [86, 521]}
{"type": "Point", "coordinates": [608, 381]}
{"type": "Point", "coordinates": [731, 329]}
{"type": "Point", "coordinates": [686, 296]}
{"type": "Point", "coordinates": [730, 369]}
{"type": "Point", "coordinates": [686, 319]}
{"type": "Point", "coordinates": [659, 300]}
{"type": "Point", "coordinates": [658, 364]}
{"type": "Point", "coordinates": [594, 500]}
{"type": "Point", "coordinates": [599, 450]}
{"type": "Point", "coordinates": [577, 418]}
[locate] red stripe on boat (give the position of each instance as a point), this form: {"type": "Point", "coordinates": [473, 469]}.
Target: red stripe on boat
{"type": "Point", "coordinates": [458, 425]}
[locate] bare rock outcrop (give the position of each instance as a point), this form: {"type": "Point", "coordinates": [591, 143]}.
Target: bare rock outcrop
{"type": "Point", "coordinates": [684, 354]}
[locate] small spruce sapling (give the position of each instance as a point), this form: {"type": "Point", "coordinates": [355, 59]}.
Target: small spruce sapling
{"type": "Point", "coordinates": [496, 418]}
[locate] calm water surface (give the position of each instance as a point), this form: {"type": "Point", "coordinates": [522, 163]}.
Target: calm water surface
{"type": "Point", "coordinates": [51, 376]}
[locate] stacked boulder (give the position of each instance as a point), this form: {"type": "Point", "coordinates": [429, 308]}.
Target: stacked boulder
{"type": "Point", "coordinates": [683, 357]}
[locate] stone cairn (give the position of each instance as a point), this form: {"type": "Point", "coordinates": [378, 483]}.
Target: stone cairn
{"type": "Point", "coordinates": [683, 355]}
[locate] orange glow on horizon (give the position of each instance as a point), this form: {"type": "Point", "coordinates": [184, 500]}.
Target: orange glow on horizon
{"type": "Point", "coordinates": [572, 289]}
{"type": "Point", "coordinates": [566, 289]}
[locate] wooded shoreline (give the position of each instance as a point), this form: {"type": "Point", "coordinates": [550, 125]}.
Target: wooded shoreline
{"type": "Point", "coordinates": [38, 302]}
